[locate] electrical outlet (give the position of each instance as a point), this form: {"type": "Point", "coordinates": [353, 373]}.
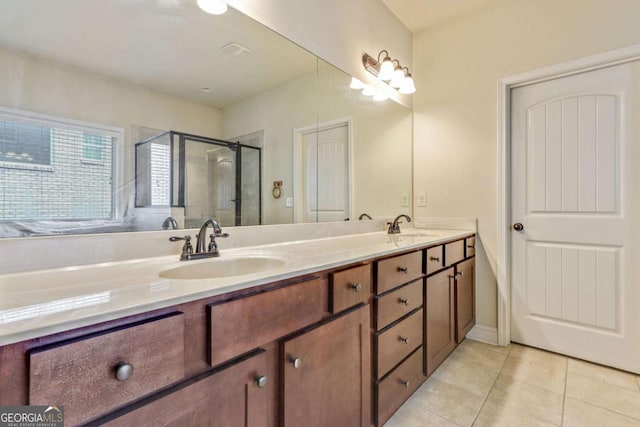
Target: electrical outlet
{"type": "Point", "coordinates": [405, 200]}
{"type": "Point", "coordinates": [422, 199]}
{"type": "Point", "coordinates": [289, 202]}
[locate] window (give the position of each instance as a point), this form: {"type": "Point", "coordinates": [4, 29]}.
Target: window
{"type": "Point", "coordinates": [93, 146]}
{"type": "Point", "coordinates": [56, 169]}
{"type": "Point", "coordinates": [25, 143]}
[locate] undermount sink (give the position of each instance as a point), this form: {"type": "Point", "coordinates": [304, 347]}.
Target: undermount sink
{"type": "Point", "coordinates": [222, 267]}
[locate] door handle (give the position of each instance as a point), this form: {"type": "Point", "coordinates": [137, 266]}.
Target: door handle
{"type": "Point", "coordinates": [518, 226]}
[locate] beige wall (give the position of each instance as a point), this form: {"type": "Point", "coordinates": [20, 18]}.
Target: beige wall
{"type": "Point", "coordinates": [277, 112]}
{"type": "Point", "coordinates": [45, 87]}
{"type": "Point", "coordinates": [338, 31]}
{"type": "Point", "coordinates": [381, 140]}
{"type": "Point", "coordinates": [457, 65]}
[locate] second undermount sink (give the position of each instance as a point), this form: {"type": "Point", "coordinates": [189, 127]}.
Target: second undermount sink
{"type": "Point", "coordinates": [223, 267]}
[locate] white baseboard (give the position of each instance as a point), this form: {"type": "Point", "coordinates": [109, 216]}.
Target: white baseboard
{"type": "Point", "coordinates": [486, 334]}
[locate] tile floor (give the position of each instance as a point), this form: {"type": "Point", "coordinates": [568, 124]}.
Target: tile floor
{"type": "Point", "coordinates": [484, 385]}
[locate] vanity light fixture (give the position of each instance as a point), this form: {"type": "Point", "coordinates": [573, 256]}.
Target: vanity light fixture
{"type": "Point", "coordinates": [394, 75]}
{"type": "Point", "coordinates": [214, 7]}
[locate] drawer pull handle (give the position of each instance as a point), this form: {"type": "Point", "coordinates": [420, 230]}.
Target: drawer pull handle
{"type": "Point", "coordinates": [460, 273]}
{"type": "Point", "coordinates": [405, 383]}
{"type": "Point", "coordinates": [296, 362]}
{"type": "Point", "coordinates": [261, 381]}
{"type": "Point", "coordinates": [434, 258]}
{"type": "Point", "coordinates": [471, 246]}
{"type": "Point", "coordinates": [124, 371]}
{"type": "Point", "coordinates": [404, 339]}
{"type": "Point", "coordinates": [404, 270]}
{"type": "Point", "coordinates": [404, 301]}
{"type": "Point", "coordinates": [356, 287]}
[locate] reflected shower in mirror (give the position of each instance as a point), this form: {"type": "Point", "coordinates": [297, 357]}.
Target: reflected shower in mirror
{"type": "Point", "coordinates": [199, 177]}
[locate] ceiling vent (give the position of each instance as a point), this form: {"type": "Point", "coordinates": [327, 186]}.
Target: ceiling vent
{"type": "Point", "coordinates": [236, 49]}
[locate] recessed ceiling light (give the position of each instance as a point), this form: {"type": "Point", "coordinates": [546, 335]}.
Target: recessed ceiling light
{"type": "Point", "coordinates": [214, 7]}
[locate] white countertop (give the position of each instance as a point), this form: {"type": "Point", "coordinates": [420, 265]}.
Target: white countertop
{"type": "Point", "coordinates": [39, 303]}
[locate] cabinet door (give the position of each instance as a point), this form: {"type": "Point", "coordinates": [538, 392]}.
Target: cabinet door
{"type": "Point", "coordinates": [440, 318]}
{"type": "Point", "coordinates": [232, 397]}
{"type": "Point", "coordinates": [465, 298]}
{"type": "Point", "coordinates": [327, 374]}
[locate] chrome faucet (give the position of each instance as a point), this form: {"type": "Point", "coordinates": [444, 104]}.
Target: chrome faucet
{"type": "Point", "coordinates": [212, 249]}
{"type": "Point", "coordinates": [170, 223]}
{"type": "Point", "coordinates": [364, 215]}
{"type": "Point", "coordinates": [394, 227]}
{"type": "Point", "coordinates": [200, 252]}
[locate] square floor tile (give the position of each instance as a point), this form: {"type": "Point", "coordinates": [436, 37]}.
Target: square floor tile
{"type": "Point", "coordinates": [479, 357]}
{"type": "Point", "coordinates": [466, 376]}
{"type": "Point", "coordinates": [602, 373]}
{"type": "Point", "coordinates": [494, 415]}
{"type": "Point", "coordinates": [603, 395]}
{"type": "Point", "coordinates": [536, 372]}
{"type": "Point", "coordinates": [531, 354]}
{"type": "Point", "coordinates": [527, 399]}
{"type": "Point", "coordinates": [580, 414]}
{"type": "Point", "coordinates": [450, 402]}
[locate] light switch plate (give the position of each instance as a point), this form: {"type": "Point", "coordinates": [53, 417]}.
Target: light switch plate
{"type": "Point", "coordinates": [289, 202]}
{"type": "Point", "coordinates": [405, 200]}
{"type": "Point", "coordinates": [422, 199]}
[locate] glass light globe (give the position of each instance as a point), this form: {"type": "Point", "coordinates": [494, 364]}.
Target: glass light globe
{"type": "Point", "coordinates": [386, 70]}
{"type": "Point", "coordinates": [398, 78]}
{"type": "Point", "coordinates": [214, 7]}
{"type": "Point", "coordinates": [408, 86]}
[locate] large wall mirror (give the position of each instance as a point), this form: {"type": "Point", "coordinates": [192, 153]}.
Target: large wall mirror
{"type": "Point", "coordinates": [118, 115]}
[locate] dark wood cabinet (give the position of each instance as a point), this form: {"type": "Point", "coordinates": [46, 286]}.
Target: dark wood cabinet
{"type": "Point", "coordinates": [326, 374]}
{"type": "Point", "coordinates": [92, 375]}
{"type": "Point", "coordinates": [440, 318]}
{"type": "Point", "coordinates": [205, 362]}
{"type": "Point", "coordinates": [465, 298]}
{"type": "Point", "coordinates": [235, 396]}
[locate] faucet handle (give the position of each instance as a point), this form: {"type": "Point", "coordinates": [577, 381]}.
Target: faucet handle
{"type": "Point", "coordinates": [187, 249]}
{"type": "Point", "coordinates": [213, 246]}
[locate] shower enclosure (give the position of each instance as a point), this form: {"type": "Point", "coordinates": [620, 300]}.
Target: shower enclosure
{"type": "Point", "coordinates": [207, 177]}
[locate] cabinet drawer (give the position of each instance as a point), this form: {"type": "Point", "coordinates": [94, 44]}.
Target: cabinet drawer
{"type": "Point", "coordinates": [400, 269]}
{"type": "Point", "coordinates": [399, 385]}
{"type": "Point", "coordinates": [239, 326]}
{"type": "Point", "coordinates": [454, 252]}
{"type": "Point", "coordinates": [435, 259]}
{"type": "Point", "coordinates": [350, 287]}
{"type": "Point", "coordinates": [232, 397]}
{"type": "Point", "coordinates": [398, 342]}
{"type": "Point", "coordinates": [81, 374]}
{"type": "Point", "coordinates": [398, 303]}
{"type": "Point", "coordinates": [471, 246]}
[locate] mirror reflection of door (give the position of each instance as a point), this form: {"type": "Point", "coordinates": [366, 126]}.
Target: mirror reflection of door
{"type": "Point", "coordinates": [324, 172]}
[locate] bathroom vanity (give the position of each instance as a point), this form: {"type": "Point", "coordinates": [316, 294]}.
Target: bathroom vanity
{"type": "Point", "coordinates": [341, 332]}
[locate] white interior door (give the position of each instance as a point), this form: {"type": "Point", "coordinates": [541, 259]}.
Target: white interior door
{"type": "Point", "coordinates": [575, 287]}
{"type": "Point", "coordinates": [326, 174]}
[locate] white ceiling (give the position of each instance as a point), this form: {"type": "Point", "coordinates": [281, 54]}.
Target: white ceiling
{"type": "Point", "coordinates": [418, 15]}
{"type": "Point", "coordinates": [169, 46]}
